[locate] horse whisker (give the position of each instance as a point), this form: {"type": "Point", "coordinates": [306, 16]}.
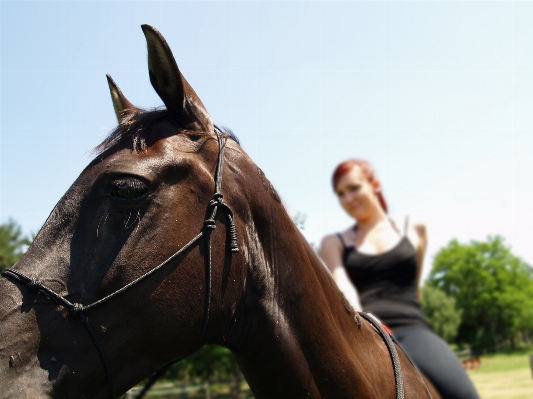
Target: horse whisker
{"type": "Point", "coordinates": [137, 218]}
{"type": "Point", "coordinates": [98, 227]}
{"type": "Point", "coordinates": [127, 220]}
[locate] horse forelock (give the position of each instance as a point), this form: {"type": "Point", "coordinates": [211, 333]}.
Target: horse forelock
{"type": "Point", "coordinates": [137, 126]}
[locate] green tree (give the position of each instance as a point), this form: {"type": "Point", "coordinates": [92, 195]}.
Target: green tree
{"type": "Point", "coordinates": [12, 243]}
{"type": "Point", "coordinates": [493, 287]}
{"type": "Point", "coordinates": [209, 362]}
{"type": "Point", "coordinates": [299, 220]}
{"type": "Point", "coordinates": [441, 312]}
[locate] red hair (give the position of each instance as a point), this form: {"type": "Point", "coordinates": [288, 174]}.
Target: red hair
{"type": "Point", "coordinates": [368, 172]}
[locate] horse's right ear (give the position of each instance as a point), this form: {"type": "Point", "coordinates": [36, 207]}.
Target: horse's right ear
{"type": "Point", "coordinates": [182, 102]}
{"type": "Point", "coordinates": [123, 107]}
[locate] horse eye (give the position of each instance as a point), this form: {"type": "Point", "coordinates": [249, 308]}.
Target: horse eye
{"type": "Point", "coordinates": [128, 189]}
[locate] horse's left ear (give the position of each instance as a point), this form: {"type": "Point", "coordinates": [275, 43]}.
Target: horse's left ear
{"type": "Point", "coordinates": [182, 102]}
{"type": "Point", "coordinates": [123, 107]}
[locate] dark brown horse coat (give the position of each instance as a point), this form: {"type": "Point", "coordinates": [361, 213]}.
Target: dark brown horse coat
{"type": "Point", "coordinates": [145, 196]}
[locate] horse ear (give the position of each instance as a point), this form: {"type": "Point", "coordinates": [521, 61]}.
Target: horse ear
{"type": "Point", "coordinates": [123, 107]}
{"type": "Point", "coordinates": [182, 102]}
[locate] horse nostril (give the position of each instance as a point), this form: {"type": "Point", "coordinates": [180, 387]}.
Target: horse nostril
{"type": "Point", "coordinates": [11, 362]}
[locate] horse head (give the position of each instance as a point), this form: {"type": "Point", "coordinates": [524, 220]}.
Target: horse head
{"type": "Point", "coordinates": [141, 203]}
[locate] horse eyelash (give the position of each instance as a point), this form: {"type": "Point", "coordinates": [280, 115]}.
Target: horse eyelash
{"type": "Point", "coordinates": [133, 183]}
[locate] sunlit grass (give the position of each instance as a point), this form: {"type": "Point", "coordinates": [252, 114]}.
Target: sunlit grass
{"type": "Point", "coordinates": [505, 376]}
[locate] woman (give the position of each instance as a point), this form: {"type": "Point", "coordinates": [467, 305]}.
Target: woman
{"type": "Point", "coordinates": [383, 262]}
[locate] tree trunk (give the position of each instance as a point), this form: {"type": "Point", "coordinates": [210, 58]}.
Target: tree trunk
{"type": "Point", "coordinates": [184, 394]}
{"type": "Point", "coordinates": [206, 389]}
{"type": "Point", "coordinates": [236, 380]}
{"type": "Point", "coordinates": [497, 346]}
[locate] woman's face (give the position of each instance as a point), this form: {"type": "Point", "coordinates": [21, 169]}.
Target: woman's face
{"type": "Point", "coordinates": [357, 195]}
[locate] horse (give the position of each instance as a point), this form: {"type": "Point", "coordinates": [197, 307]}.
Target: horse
{"type": "Point", "coordinates": [172, 238]}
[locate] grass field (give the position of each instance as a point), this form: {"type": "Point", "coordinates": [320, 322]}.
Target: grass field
{"type": "Point", "coordinates": [506, 376]}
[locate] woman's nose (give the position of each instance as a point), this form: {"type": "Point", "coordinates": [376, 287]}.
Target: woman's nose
{"type": "Point", "coordinates": [349, 197]}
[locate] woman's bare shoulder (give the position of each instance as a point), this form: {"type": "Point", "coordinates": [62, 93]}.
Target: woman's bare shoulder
{"type": "Point", "coordinates": [330, 241]}
{"type": "Point", "coordinates": [333, 239]}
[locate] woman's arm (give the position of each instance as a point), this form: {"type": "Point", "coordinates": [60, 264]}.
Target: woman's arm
{"type": "Point", "coordinates": [331, 253]}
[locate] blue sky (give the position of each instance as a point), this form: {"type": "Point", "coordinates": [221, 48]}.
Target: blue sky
{"type": "Point", "coordinates": [437, 95]}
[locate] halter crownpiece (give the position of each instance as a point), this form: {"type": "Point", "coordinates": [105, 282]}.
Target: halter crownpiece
{"type": "Point", "coordinates": [77, 310]}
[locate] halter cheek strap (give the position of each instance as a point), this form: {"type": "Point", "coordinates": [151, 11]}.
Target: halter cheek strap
{"type": "Point", "coordinates": [78, 310]}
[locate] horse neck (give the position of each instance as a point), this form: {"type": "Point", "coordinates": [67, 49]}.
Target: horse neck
{"type": "Point", "coordinates": [295, 325]}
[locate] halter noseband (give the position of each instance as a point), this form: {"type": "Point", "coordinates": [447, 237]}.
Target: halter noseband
{"type": "Point", "coordinates": [77, 309]}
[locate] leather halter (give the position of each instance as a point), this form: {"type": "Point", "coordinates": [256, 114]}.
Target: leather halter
{"type": "Point", "coordinates": [78, 310]}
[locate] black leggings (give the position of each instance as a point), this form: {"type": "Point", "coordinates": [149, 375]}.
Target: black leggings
{"type": "Point", "coordinates": [436, 360]}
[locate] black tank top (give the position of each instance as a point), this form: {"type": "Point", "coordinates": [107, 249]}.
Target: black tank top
{"type": "Point", "coordinates": [386, 283]}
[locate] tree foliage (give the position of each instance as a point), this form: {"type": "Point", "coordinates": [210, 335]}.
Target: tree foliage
{"type": "Point", "coordinates": [12, 243]}
{"type": "Point", "coordinates": [493, 287]}
{"type": "Point", "coordinates": [441, 312]}
{"type": "Point", "coordinates": [299, 220]}
{"type": "Point", "coordinates": [209, 362]}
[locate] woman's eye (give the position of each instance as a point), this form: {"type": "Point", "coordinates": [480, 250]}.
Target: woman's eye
{"type": "Point", "coordinates": [128, 189]}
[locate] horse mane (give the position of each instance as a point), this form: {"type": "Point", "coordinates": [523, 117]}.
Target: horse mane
{"type": "Point", "coordinates": [137, 126]}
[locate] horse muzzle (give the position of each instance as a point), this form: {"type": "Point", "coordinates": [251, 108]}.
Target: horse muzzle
{"type": "Point", "coordinates": [21, 376]}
